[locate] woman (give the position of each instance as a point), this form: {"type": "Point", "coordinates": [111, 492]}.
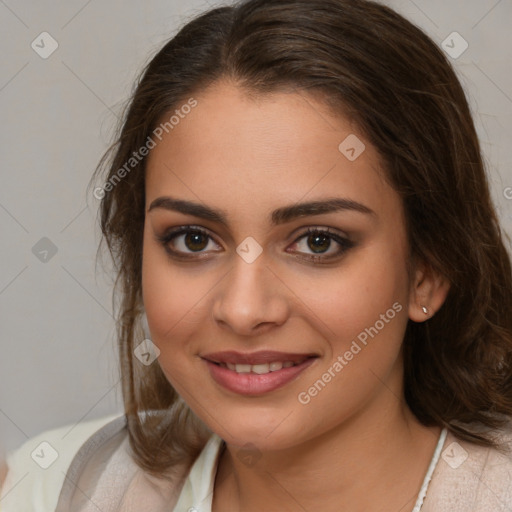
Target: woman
{"type": "Point", "coordinates": [314, 289]}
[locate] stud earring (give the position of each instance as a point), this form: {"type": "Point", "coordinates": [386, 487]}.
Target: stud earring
{"type": "Point", "coordinates": [425, 310]}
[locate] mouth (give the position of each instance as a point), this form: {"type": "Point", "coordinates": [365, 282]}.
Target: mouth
{"type": "Point", "coordinates": [260, 363]}
{"type": "Point", "coordinates": [256, 373]}
{"type": "Point", "coordinates": [259, 369]}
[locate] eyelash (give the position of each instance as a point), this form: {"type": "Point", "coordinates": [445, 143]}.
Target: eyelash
{"type": "Point", "coordinates": [344, 243]}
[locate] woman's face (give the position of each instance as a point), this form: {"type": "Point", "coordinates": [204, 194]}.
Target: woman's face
{"type": "Point", "coordinates": [249, 285]}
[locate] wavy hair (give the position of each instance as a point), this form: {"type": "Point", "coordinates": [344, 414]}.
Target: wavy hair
{"type": "Point", "coordinates": [367, 62]}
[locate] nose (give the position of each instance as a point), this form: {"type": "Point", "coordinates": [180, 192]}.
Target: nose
{"type": "Point", "coordinates": [251, 299]}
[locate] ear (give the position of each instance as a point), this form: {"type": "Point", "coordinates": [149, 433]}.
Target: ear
{"type": "Point", "coordinates": [428, 292]}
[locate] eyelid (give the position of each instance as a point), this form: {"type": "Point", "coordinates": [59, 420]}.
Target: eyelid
{"type": "Point", "coordinates": [305, 229]}
{"type": "Point", "coordinates": [172, 233]}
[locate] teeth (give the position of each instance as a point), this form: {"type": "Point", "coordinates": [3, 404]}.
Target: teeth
{"type": "Point", "coordinates": [259, 369]}
{"type": "Point", "coordinates": [243, 368]}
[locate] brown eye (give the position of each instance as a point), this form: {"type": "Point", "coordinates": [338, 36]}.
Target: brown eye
{"type": "Point", "coordinates": [184, 241]}
{"type": "Point", "coordinates": [195, 241]}
{"type": "Point", "coordinates": [318, 242]}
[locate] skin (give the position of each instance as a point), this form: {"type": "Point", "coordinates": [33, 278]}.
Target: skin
{"type": "Point", "coordinates": [356, 442]}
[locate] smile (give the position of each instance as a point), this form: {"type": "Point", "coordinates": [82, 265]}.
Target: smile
{"type": "Point", "coordinates": [258, 373]}
{"type": "Point", "coordinates": [259, 369]}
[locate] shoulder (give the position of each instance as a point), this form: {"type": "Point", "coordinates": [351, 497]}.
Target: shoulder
{"type": "Point", "coordinates": [106, 476]}
{"type": "Point", "coordinates": [36, 470]}
{"type": "Point", "coordinates": [472, 478]}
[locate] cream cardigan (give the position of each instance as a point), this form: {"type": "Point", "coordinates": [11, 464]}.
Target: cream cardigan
{"type": "Point", "coordinates": [88, 468]}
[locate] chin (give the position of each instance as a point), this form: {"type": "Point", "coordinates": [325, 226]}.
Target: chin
{"type": "Point", "coordinates": [260, 434]}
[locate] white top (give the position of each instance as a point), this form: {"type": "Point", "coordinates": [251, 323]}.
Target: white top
{"type": "Point", "coordinates": [36, 469]}
{"type": "Point", "coordinates": [94, 471]}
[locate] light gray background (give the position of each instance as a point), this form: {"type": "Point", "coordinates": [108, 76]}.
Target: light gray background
{"type": "Point", "coordinates": [58, 360]}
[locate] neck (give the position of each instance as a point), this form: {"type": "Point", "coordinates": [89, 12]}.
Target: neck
{"type": "Point", "coordinates": [362, 465]}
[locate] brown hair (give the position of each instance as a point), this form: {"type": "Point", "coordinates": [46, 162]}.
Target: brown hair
{"type": "Point", "coordinates": [366, 61]}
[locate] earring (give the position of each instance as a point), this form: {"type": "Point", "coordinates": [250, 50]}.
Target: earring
{"type": "Point", "coordinates": [425, 310]}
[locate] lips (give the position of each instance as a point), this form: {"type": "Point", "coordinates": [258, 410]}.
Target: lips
{"type": "Point", "coordinates": [256, 373]}
{"type": "Point", "coordinates": [256, 383]}
{"type": "Point", "coordinates": [256, 358]}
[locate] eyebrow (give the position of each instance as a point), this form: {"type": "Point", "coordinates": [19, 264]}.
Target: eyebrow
{"type": "Point", "coordinates": [278, 216]}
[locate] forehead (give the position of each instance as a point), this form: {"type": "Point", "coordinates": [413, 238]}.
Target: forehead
{"type": "Point", "coordinates": [245, 153]}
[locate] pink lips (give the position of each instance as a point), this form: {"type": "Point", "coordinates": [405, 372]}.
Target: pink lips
{"type": "Point", "coordinates": [252, 383]}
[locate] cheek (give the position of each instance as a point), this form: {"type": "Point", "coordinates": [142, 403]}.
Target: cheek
{"type": "Point", "coordinates": [172, 312]}
{"type": "Point", "coordinates": [366, 324]}
{"type": "Point", "coordinates": [352, 297]}
{"type": "Point", "coordinates": [361, 311]}
{"type": "Point", "coordinates": [169, 295]}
